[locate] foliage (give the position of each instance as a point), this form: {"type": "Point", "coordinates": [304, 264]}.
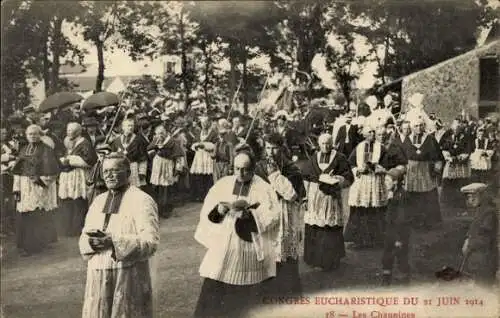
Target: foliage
{"type": "Point", "coordinates": [33, 46]}
{"type": "Point", "coordinates": [403, 37]}
{"type": "Point", "coordinates": [142, 91]}
{"type": "Point", "coordinates": [118, 24]}
{"type": "Point", "coordinates": [342, 57]}
{"type": "Point", "coordinates": [406, 36]}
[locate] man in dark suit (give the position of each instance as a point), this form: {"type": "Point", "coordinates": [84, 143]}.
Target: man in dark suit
{"type": "Point", "coordinates": [481, 243]}
{"type": "Point", "coordinates": [347, 137]}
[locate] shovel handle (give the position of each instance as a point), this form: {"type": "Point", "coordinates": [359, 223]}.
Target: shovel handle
{"type": "Point", "coordinates": [464, 262]}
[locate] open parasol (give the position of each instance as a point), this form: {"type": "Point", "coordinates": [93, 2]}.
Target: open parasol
{"type": "Point", "coordinates": [59, 100]}
{"type": "Point", "coordinates": [101, 99]}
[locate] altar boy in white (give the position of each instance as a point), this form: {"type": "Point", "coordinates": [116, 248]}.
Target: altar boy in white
{"type": "Point", "coordinates": [238, 227]}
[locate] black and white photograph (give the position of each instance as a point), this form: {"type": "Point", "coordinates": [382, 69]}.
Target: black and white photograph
{"type": "Point", "coordinates": [280, 158]}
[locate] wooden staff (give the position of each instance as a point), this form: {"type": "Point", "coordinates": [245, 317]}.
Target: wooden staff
{"type": "Point", "coordinates": [117, 113]}
{"type": "Point", "coordinates": [94, 176]}
{"type": "Point", "coordinates": [357, 105]}
{"type": "Point", "coordinates": [234, 99]}
{"type": "Point", "coordinates": [258, 107]}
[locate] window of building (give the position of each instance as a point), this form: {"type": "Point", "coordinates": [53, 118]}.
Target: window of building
{"type": "Point", "coordinates": [489, 86]}
{"type": "Point", "coordinates": [489, 89]}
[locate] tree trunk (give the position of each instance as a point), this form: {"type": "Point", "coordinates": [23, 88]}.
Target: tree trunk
{"type": "Point", "coordinates": [46, 61]}
{"type": "Point", "coordinates": [244, 82]}
{"type": "Point", "coordinates": [207, 56]}
{"type": "Point", "coordinates": [184, 63]}
{"type": "Point", "coordinates": [100, 70]}
{"type": "Point", "coordinates": [304, 60]}
{"type": "Point", "coordinates": [56, 54]}
{"type": "Point", "coordinates": [232, 72]}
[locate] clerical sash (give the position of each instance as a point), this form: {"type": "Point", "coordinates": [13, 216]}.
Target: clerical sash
{"type": "Point", "coordinates": [360, 153]}
{"type": "Point", "coordinates": [485, 145]}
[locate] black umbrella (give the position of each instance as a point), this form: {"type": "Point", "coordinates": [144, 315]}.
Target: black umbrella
{"type": "Point", "coordinates": [59, 100]}
{"type": "Point", "coordinates": [101, 99]}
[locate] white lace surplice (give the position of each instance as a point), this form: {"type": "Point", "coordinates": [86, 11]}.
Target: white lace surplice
{"type": "Point", "coordinates": [322, 209]}
{"type": "Point", "coordinates": [480, 159]}
{"type": "Point", "coordinates": [203, 163]}
{"type": "Point", "coordinates": [73, 184]}
{"type": "Point", "coordinates": [229, 259]}
{"type": "Point", "coordinates": [291, 222]}
{"type": "Point", "coordinates": [368, 190]}
{"type": "Point", "coordinates": [129, 277]}
{"type": "Point", "coordinates": [34, 196]}
{"type": "Point", "coordinates": [162, 172]}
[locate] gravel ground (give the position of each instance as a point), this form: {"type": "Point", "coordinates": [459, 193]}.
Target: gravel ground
{"type": "Point", "coordinates": [52, 284]}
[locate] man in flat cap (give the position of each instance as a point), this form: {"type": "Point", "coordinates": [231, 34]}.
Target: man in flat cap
{"type": "Point", "coordinates": [480, 245]}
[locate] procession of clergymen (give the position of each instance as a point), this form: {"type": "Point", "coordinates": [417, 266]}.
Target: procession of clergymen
{"type": "Point", "coordinates": [289, 187]}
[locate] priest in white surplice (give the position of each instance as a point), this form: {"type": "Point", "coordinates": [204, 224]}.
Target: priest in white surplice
{"type": "Point", "coordinates": [120, 236]}
{"type": "Point", "coordinates": [238, 227]}
{"type": "Point", "coordinates": [80, 157]}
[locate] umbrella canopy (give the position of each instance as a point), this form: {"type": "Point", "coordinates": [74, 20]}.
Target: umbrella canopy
{"type": "Point", "coordinates": [59, 100]}
{"type": "Point", "coordinates": [101, 99]}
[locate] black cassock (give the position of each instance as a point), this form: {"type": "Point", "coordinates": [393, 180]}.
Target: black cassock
{"type": "Point", "coordinates": [72, 211]}
{"type": "Point", "coordinates": [36, 229]}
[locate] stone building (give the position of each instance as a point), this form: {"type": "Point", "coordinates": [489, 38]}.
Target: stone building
{"type": "Point", "coordinates": [468, 83]}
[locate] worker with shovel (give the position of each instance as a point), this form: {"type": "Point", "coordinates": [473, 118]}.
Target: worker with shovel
{"type": "Point", "coordinates": [480, 246]}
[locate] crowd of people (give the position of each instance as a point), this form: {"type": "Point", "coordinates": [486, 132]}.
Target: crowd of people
{"type": "Point", "coordinates": [269, 198]}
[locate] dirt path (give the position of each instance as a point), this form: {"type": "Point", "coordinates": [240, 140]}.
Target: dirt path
{"type": "Point", "coordinates": [52, 284]}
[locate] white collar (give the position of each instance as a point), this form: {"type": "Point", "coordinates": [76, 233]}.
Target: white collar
{"type": "Point", "coordinates": [412, 137]}
{"type": "Point", "coordinates": [323, 166]}
{"type": "Point", "coordinates": [485, 143]}
{"type": "Point", "coordinates": [360, 151]}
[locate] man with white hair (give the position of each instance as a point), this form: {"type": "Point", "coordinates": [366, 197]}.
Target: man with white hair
{"type": "Point", "coordinates": [134, 147]}
{"type": "Point", "coordinates": [238, 228]}
{"type": "Point", "coordinates": [456, 149]}
{"type": "Point", "coordinates": [326, 173]}
{"type": "Point", "coordinates": [35, 188]}
{"type": "Point", "coordinates": [202, 167]}
{"type": "Point", "coordinates": [223, 152]}
{"type": "Point", "coordinates": [168, 163]}
{"type": "Point", "coordinates": [79, 158]}
{"type": "Point", "coordinates": [424, 165]}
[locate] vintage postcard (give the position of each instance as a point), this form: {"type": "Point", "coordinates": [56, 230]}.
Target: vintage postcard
{"type": "Point", "coordinates": [319, 158]}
